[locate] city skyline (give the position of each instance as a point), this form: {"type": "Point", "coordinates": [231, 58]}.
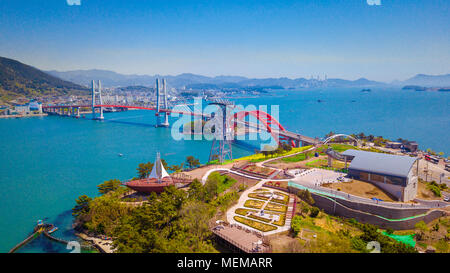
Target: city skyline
{"type": "Point", "coordinates": [255, 39]}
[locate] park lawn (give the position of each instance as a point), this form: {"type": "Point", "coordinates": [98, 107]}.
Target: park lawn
{"type": "Point", "coordinates": [223, 181]}
{"type": "Point", "coordinates": [322, 162]}
{"type": "Point", "coordinates": [261, 157]}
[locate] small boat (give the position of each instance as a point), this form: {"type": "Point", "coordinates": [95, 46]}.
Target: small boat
{"type": "Point", "coordinates": [120, 155]}
{"type": "Point", "coordinates": [53, 229]}
{"type": "Point", "coordinates": [40, 222]}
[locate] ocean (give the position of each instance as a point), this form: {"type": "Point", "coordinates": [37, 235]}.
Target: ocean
{"type": "Point", "coordinates": [47, 162]}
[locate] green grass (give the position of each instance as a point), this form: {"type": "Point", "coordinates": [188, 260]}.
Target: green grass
{"type": "Point", "coordinates": [223, 181]}
{"type": "Point", "coordinates": [261, 157]}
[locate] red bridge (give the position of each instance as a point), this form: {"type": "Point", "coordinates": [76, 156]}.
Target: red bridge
{"type": "Point", "coordinates": [269, 123]}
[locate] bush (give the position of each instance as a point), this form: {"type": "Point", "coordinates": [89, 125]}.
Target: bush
{"type": "Point", "coordinates": [314, 212]}
{"type": "Point", "coordinates": [436, 190]}
{"type": "Point", "coordinates": [296, 225]}
{"type": "Point", "coordinates": [306, 196]}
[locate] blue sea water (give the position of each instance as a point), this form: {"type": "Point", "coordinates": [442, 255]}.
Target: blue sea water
{"type": "Point", "coordinates": [46, 163]}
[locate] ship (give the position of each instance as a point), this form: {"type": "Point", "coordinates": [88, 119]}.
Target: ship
{"type": "Point", "coordinates": [158, 180]}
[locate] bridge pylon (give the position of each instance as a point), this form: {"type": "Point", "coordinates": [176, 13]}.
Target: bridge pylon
{"type": "Point", "coordinates": [221, 147]}
{"type": "Point", "coordinates": [161, 98]}
{"type": "Point", "coordinates": [97, 94]}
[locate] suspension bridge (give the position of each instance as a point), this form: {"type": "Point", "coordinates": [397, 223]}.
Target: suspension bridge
{"type": "Point", "coordinates": [163, 108]}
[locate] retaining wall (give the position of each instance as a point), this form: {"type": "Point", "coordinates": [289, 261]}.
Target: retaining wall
{"type": "Point", "coordinates": [367, 213]}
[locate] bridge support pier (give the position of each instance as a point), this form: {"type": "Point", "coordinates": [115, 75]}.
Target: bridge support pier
{"type": "Point", "coordinates": [98, 94]}
{"type": "Point", "coordinates": [158, 113]}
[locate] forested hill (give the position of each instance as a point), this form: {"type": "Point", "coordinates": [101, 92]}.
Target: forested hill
{"type": "Point", "coordinates": [21, 80]}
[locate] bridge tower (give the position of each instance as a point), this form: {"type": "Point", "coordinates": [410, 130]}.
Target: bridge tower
{"type": "Point", "coordinates": [221, 147]}
{"type": "Point", "coordinates": [95, 95]}
{"type": "Point", "coordinates": [161, 98]}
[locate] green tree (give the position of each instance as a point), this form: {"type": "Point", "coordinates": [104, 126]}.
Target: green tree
{"type": "Point", "coordinates": [196, 190]}
{"type": "Point", "coordinates": [192, 162]}
{"type": "Point", "coordinates": [314, 212]}
{"type": "Point", "coordinates": [82, 206]}
{"type": "Point", "coordinates": [306, 196]}
{"type": "Point", "coordinates": [144, 169]}
{"type": "Point", "coordinates": [296, 225]}
{"type": "Point", "coordinates": [109, 186]}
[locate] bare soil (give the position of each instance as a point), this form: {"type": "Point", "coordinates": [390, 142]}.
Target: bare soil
{"type": "Point", "coordinates": [362, 189]}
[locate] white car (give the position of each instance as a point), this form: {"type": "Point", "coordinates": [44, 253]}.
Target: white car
{"type": "Point", "coordinates": [447, 199]}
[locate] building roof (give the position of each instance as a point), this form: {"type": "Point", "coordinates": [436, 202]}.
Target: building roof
{"type": "Point", "coordinates": [395, 165]}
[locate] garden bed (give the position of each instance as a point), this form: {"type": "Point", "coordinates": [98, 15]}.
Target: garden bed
{"type": "Point", "coordinates": [254, 224]}
{"type": "Point", "coordinates": [254, 204]}
{"type": "Point", "coordinates": [276, 207]}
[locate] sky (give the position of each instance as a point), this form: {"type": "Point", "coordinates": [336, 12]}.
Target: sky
{"type": "Point", "coordinates": [346, 39]}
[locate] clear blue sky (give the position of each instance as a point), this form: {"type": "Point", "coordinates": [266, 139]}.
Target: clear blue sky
{"type": "Point", "coordinates": [255, 38]}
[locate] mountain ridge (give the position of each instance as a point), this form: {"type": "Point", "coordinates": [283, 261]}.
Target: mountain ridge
{"type": "Point", "coordinates": [21, 80]}
{"type": "Point", "coordinates": [113, 79]}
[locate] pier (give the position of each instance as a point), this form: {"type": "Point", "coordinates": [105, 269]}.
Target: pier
{"type": "Point", "coordinates": [39, 229]}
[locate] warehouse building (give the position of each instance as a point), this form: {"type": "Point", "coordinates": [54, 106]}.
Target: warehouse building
{"type": "Point", "coordinates": [395, 174]}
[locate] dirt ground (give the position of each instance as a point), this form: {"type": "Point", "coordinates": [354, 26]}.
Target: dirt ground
{"type": "Point", "coordinates": [281, 241]}
{"type": "Point", "coordinates": [362, 189]}
{"type": "Point", "coordinates": [199, 172]}
{"type": "Point", "coordinates": [425, 194]}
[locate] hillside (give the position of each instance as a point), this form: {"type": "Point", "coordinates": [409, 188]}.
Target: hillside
{"type": "Point", "coordinates": [21, 80]}
{"type": "Point", "coordinates": [429, 80]}
{"type": "Point", "coordinates": [189, 80]}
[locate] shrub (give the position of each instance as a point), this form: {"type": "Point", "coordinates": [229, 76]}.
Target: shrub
{"type": "Point", "coordinates": [296, 225]}
{"type": "Point", "coordinates": [314, 212]}
{"type": "Point", "coordinates": [435, 190]}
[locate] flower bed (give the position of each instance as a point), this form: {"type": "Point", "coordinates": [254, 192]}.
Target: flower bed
{"type": "Point", "coordinates": [244, 212]}
{"type": "Point", "coordinates": [281, 220]}
{"type": "Point", "coordinates": [254, 224]}
{"type": "Point", "coordinates": [267, 220]}
{"type": "Point", "coordinates": [253, 204]}
{"type": "Point", "coordinates": [258, 196]}
{"type": "Point", "coordinates": [284, 201]}
{"type": "Point", "coordinates": [276, 207]}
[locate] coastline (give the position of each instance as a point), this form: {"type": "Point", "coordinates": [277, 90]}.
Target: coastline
{"type": "Point", "coordinates": [24, 116]}
{"type": "Point", "coordinates": [104, 246]}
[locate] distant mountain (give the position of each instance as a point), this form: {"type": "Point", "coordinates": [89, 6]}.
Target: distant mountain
{"type": "Point", "coordinates": [188, 80]}
{"type": "Point", "coordinates": [21, 80]}
{"type": "Point", "coordinates": [428, 80]}
{"type": "Point", "coordinates": [108, 78]}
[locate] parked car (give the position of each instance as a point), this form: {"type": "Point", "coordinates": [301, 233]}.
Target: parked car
{"type": "Point", "coordinates": [447, 199]}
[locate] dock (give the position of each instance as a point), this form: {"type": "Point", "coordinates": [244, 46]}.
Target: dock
{"type": "Point", "coordinates": [39, 229]}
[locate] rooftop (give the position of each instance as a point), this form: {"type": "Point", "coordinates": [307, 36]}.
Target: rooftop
{"type": "Point", "coordinates": [380, 163]}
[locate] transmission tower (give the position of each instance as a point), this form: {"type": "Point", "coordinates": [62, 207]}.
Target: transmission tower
{"type": "Point", "coordinates": [221, 146]}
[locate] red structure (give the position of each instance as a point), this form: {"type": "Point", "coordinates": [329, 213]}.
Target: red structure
{"type": "Point", "coordinates": [267, 120]}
